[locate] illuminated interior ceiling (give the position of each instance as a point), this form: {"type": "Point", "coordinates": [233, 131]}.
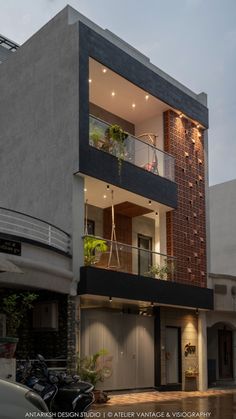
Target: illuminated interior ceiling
{"type": "Point", "coordinates": [119, 96]}
{"type": "Point", "coordinates": [97, 194]}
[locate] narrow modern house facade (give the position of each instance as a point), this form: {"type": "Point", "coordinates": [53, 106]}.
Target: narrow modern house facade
{"type": "Point", "coordinates": [221, 323]}
{"type": "Point", "coordinates": [111, 150]}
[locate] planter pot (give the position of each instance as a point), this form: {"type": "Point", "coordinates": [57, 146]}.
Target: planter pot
{"type": "Point", "coordinates": [8, 347]}
{"type": "Point", "coordinates": [100, 396]}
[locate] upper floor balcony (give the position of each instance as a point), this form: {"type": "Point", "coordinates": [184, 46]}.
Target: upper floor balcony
{"type": "Point", "coordinates": [122, 136]}
{"type": "Point", "coordinates": [141, 152]}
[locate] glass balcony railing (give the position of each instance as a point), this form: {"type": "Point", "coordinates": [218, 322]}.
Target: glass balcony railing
{"type": "Point", "coordinates": [132, 150]}
{"type": "Point", "coordinates": [116, 256]}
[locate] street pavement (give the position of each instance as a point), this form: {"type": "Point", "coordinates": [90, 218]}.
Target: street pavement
{"type": "Point", "coordinates": [214, 404]}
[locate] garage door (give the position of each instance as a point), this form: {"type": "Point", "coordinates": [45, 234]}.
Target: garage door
{"type": "Point", "coordinates": [128, 338]}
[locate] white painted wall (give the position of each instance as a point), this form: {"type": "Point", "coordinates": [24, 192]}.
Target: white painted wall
{"type": "Point", "coordinates": [145, 154]}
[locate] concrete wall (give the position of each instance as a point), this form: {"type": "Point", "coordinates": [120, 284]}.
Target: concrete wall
{"type": "Point", "coordinates": [39, 123]}
{"type": "Point", "coordinates": [223, 228]}
{"type": "Point", "coordinates": [153, 125]}
{"type": "Point", "coordinates": [41, 269]}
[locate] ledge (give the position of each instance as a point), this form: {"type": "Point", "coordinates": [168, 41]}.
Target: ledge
{"type": "Point", "coordinates": [96, 281]}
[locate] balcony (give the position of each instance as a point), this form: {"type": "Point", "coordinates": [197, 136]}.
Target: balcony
{"type": "Point", "coordinates": [120, 271]}
{"type": "Point", "coordinates": [115, 256]}
{"type": "Point", "coordinates": [131, 149]}
{"type": "Point", "coordinates": [32, 229]}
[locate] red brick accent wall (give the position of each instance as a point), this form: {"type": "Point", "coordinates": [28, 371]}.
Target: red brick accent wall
{"type": "Point", "coordinates": [186, 234]}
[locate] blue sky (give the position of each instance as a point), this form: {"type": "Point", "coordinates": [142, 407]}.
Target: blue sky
{"type": "Point", "coordinates": [192, 40]}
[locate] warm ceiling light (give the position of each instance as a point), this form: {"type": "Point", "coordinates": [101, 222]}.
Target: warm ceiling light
{"type": "Point", "coordinates": [113, 93]}
{"type": "Point", "coordinates": [104, 196]}
{"type": "Point", "coordinates": [181, 115]}
{"type": "Point", "coordinates": [147, 97]}
{"type": "Point", "coordinates": [198, 126]}
{"type": "Point", "coordinates": [133, 105]}
{"type": "Point", "coordinates": [85, 189]}
{"type": "Point", "coordinates": [90, 80]}
{"type": "Point", "coordinates": [104, 70]}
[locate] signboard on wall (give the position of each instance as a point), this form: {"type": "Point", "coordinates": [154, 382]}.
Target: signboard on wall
{"type": "Point", "coordinates": [11, 247]}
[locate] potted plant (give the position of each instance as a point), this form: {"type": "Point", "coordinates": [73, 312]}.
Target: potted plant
{"type": "Point", "coordinates": [95, 135]}
{"type": "Point", "coordinates": [160, 271]}
{"type": "Point", "coordinates": [96, 368]}
{"type": "Point", "coordinates": [14, 306]}
{"type": "Point", "coordinates": [91, 246]}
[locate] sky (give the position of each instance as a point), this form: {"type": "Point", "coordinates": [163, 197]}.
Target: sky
{"type": "Point", "coordinates": [193, 41]}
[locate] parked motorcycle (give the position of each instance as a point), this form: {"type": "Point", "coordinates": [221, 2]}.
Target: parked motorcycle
{"type": "Point", "coordinates": [60, 391]}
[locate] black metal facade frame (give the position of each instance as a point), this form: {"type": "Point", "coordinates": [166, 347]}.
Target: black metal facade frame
{"type": "Point", "coordinates": [96, 163]}
{"type": "Point", "coordinates": [103, 282]}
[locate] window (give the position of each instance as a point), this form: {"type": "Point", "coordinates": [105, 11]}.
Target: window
{"type": "Point", "coordinates": [145, 255]}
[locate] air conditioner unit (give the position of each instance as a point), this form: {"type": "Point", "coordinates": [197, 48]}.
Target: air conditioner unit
{"type": "Point", "coordinates": [45, 316]}
{"type": "Point", "coordinates": [2, 325]}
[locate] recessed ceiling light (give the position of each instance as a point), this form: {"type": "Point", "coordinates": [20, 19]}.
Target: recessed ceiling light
{"type": "Point", "coordinates": [113, 93]}
{"type": "Point", "coordinates": [104, 196]}
{"type": "Point", "coordinates": [104, 70]}
{"type": "Point", "coordinates": [147, 97]}
{"type": "Point", "coordinates": [133, 105]}
{"type": "Point", "coordinates": [90, 80]}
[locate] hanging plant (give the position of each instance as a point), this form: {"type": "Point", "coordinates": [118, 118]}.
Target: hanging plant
{"type": "Point", "coordinates": [116, 137]}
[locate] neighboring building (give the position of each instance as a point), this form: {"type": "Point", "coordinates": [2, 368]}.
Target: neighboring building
{"type": "Point", "coordinates": [222, 321]}
{"type": "Point", "coordinates": [7, 47]}
{"type": "Point", "coordinates": [144, 298]}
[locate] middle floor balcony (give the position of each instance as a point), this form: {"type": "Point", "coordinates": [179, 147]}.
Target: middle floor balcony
{"type": "Point", "coordinates": [125, 250]}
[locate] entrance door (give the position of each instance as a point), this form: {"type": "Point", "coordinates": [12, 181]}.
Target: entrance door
{"type": "Point", "coordinates": [144, 256]}
{"type": "Point", "coordinates": [172, 355]}
{"type": "Point", "coordinates": [225, 354]}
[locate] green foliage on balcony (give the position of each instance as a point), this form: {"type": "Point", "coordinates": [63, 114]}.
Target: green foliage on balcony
{"type": "Point", "coordinates": [92, 247]}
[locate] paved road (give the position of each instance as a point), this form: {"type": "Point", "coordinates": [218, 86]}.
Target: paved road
{"type": "Point", "coordinates": [214, 407]}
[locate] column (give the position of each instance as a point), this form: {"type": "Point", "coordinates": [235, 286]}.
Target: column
{"type": "Point", "coordinates": [72, 333]}
{"type": "Point", "coordinates": [202, 351]}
